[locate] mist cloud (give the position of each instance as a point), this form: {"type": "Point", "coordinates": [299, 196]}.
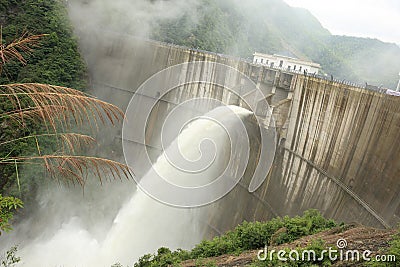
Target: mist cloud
{"type": "Point", "coordinates": [361, 18]}
{"type": "Point", "coordinates": [136, 17]}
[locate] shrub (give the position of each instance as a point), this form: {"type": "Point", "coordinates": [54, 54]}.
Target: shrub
{"type": "Point", "coordinates": [246, 236]}
{"type": "Point", "coordinates": [394, 250]}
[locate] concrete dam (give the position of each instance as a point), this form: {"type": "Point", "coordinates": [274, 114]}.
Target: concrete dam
{"type": "Point", "coordinates": [337, 145]}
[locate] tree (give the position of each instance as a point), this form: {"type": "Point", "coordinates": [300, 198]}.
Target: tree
{"type": "Point", "coordinates": [52, 111]}
{"type": "Point", "coordinates": [7, 206]}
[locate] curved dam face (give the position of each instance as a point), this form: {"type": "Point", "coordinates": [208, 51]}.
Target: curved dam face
{"type": "Point", "coordinates": [338, 145]}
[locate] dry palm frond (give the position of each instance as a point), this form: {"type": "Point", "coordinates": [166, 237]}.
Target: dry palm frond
{"type": "Point", "coordinates": [13, 50]}
{"type": "Point", "coordinates": [75, 141]}
{"type": "Point", "coordinates": [38, 101]}
{"type": "Point", "coordinates": [55, 106]}
{"type": "Point", "coordinates": [70, 141]}
{"type": "Point", "coordinates": [76, 168]}
{"type": "Point", "coordinates": [33, 114]}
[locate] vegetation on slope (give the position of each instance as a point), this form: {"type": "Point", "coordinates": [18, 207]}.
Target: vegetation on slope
{"type": "Point", "coordinates": [394, 250]}
{"type": "Point", "coordinates": [311, 231]}
{"type": "Point", "coordinates": [42, 126]}
{"type": "Point", "coordinates": [247, 236]}
{"type": "Point", "coordinates": [271, 26]}
{"type": "Point", "coordinates": [8, 205]}
{"type": "Point", "coordinates": [55, 61]}
{"type": "Point", "coordinates": [52, 112]}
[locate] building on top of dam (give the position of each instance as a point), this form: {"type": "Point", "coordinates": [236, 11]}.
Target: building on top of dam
{"type": "Point", "coordinates": [288, 62]}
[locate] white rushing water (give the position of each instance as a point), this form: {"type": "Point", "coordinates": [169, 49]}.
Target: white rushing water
{"type": "Point", "coordinates": [142, 224]}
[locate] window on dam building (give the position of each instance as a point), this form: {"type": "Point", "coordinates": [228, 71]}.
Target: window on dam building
{"type": "Point", "coordinates": [287, 61]}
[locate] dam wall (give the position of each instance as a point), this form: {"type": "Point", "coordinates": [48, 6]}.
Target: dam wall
{"type": "Point", "coordinates": [340, 153]}
{"type": "Point", "coordinates": [337, 144]}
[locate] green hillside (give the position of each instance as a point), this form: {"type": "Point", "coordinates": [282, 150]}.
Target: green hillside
{"type": "Point", "coordinates": [55, 61]}
{"type": "Point", "coordinates": [270, 26]}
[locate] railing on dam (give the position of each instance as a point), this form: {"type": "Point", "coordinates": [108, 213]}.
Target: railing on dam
{"type": "Point", "coordinates": [326, 77]}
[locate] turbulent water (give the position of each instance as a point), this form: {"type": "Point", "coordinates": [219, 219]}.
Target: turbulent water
{"type": "Point", "coordinates": [142, 224]}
